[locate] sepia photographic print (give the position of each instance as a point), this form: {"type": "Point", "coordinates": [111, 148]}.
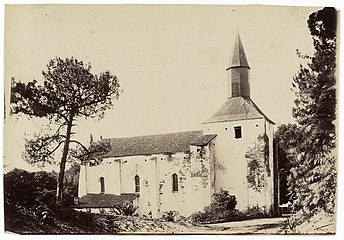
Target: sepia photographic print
{"type": "Point", "coordinates": [170, 119]}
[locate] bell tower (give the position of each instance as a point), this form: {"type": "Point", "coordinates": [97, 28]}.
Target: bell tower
{"type": "Point", "coordinates": [238, 72]}
{"type": "Point", "coordinates": [238, 124]}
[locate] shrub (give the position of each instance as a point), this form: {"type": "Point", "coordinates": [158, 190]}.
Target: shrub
{"type": "Point", "coordinates": [207, 216]}
{"type": "Point", "coordinates": [30, 189]}
{"type": "Point", "coordinates": [71, 184]}
{"type": "Point", "coordinates": [222, 201]}
{"type": "Point", "coordinates": [127, 209]}
{"type": "Point", "coordinates": [222, 208]}
{"type": "Point", "coordinates": [170, 216]}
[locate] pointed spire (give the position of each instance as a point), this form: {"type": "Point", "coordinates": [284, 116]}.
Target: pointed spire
{"type": "Point", "coordinates": [238, 71]}
{"type": "Point", "coordinates": [238, 55]}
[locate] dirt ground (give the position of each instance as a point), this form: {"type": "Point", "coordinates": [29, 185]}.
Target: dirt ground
{"type": "Point", "coordinates": [83, 223]}
{"type": "Point", "coordinates": [255, 226]}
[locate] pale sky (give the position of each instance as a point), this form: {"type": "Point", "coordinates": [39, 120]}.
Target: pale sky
{"type": "Point", "coordinates": [170, 60]}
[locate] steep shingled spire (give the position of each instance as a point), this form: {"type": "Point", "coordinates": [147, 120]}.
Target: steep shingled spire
{"type": "Point", "coordinates": [238, 71]}
{"type": "Point", "coordinates": [238, 55]}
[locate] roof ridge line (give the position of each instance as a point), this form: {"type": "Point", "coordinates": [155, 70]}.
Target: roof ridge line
{"type": "Point", "coordinates": [158, 134]}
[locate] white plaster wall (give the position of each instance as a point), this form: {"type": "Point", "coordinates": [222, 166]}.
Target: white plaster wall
{"type": "Point", "coordinates": [231, 164]}
{"type": "Point", "coordinates": [146, 168]}
{"type": "Point", "coordinates": [178, 163]}
{"type": "Point", "coordinates": [109, 170]}
{"type": "Point", "coordinates": [155, 172]}
{"type": "Point", "coordinates": [200, 179]}
{"type": "Point", "coordinates": [194, 190]}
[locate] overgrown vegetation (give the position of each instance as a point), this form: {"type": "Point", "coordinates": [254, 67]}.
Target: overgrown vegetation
{"type": "Point", "coordinates": [222, 209]}
{"type": "Point", "coordinates": [258, 163]}
{"type": "Point", "coordinates": [313, 175]}
{"type": "Point", "coordinates": [307, 150]}
{"type": "Point", "coordinates": [126, 209]}
{"type": "Point", "coordinates": [33, 189]}
{"type": "Point", "coordinates": [171, 216]}
{"type": "Point", "coordinates": [287, 139]}
{"type": "Point", "coordinates": [33, 194]}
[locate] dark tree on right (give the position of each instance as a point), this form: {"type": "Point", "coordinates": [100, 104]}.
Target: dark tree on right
{"type": "Point", "coordinates": [313, 177]}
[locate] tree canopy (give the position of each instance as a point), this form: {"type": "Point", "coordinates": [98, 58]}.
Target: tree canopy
{"type": "Point", "coordinates": [314, 84]}
{"type": "Point", "coordinates": [70, 91]}
{"type": "Point", "coordinates": [313, 175]}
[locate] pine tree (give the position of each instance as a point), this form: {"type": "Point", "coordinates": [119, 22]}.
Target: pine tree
{"type": "Point", "coordinates": [69, 92]}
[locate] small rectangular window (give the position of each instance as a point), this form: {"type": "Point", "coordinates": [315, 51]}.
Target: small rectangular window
{"type": "Point", "coordinates": [237, 132]}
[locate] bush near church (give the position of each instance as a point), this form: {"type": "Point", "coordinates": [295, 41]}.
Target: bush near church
{"type": "Point", "coordinates": [222, 209]}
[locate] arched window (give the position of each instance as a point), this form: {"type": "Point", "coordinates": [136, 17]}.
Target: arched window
{"type": "Point", "coordinates": [102, 185]}
{"type": "Point", "coordinates": [137, 183]}
{"type": "Point", "coordinates": [174, 182]}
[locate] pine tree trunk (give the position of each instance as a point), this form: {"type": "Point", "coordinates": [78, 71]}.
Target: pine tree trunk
{"type": "Point", "coordinates": [60, 180]}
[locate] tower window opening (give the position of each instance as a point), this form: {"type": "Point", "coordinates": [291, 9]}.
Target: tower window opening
{"type": "Point", "coordinates": [237, 132]}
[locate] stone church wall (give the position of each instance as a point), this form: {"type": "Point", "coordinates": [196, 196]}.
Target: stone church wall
{"type": "Point", "coordinates": [156, 194]}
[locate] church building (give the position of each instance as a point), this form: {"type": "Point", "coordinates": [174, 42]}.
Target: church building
{"type": "Point", "coordinates": [233, 150]}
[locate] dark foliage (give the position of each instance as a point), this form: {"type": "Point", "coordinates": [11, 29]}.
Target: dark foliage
{"type": "Point", "coordinates": [30, 189]}
{"type": "Point", "coordinates": [33, 189]}
{"type": "Point", "coordinates": [222, 208]}
{"type": "Point", "coordinates": [71, 184]}
{"type": "Point", "coordinates": [315, 102]}
{"type": "Point", "coordinates": [32, 194]}
{"type": "Point", "coordinates": [170, 216]}
{"type": "Point", "coordinates": [313, 175]}
{"type": "Point", "coordinates": [223, 201]}
{"type": "Point", "coordinates": [287, 141]}
{"type": "Point", "coordinates": [127, 209]}
{"type": "Point", "coordinates": [69, 91]}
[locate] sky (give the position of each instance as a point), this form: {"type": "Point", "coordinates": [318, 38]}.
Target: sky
{"type": "Point", "coordinates": [170, 60]}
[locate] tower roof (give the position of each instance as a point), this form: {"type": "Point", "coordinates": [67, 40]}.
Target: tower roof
{"type": "Point", "coordinates": [237, 108]}
{"type": "Point", "coordinates": [238, 55]}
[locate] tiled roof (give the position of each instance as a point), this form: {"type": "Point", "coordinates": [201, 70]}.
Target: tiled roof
{"type": "Point", "coordinates": [238, 55]}
{"type": "Point", "coordinates": [105, 200]}
{"type": "Point", "coordinates": [157, 144]}
{"type": "Point", "coordinates": [237, 108]}
{"type": "Point", "coordinates": [203, 140]}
